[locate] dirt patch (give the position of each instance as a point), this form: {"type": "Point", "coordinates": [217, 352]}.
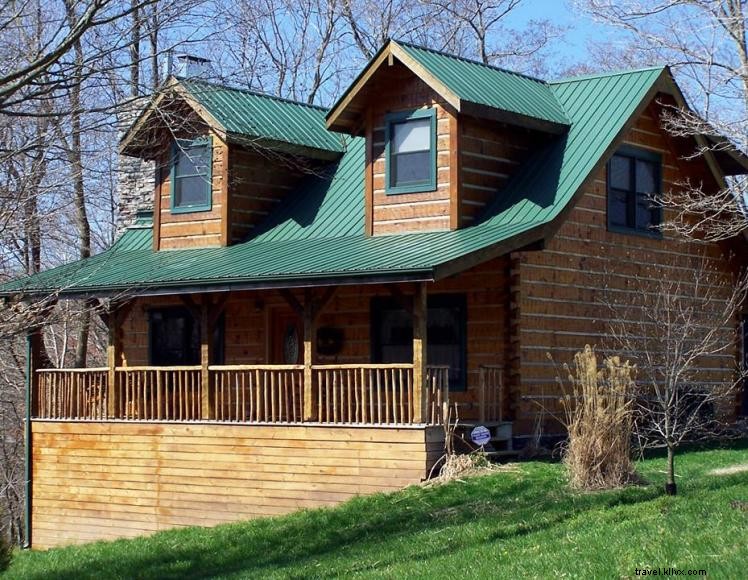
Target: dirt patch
{"type": "Point", "coordinates": [731, 470]}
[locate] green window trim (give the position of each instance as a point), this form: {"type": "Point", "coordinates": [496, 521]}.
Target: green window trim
{"type": "Point", "coordinates": [177, 146]}
{"type": "Point", "coordinates": [634, 153]}
{"type": "Point", "coordinates": [399, 117]}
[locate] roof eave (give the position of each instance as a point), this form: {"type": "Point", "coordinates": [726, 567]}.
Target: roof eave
{"type": "Point", "coordinates": [271, 282]}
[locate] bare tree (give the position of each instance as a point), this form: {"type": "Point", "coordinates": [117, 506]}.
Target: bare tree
{"type": "Point", "coordinates": [705, 43]}
{"type": "Point", "coordinates": [676, 326]}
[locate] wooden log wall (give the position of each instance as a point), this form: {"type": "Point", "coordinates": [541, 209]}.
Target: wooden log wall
{"type": "Point", "coordinates": [98, 481]}
{"type": "Point", "coordinates": [195, 229]}
{"type": "Point", "coordinates": [258, 184]}
{"type": "Point", "coordinates": [397, 89]}
{"type": "Point", "coordinates": [489, 154]}
{"type": "Point", "coordinates": [557, 292]}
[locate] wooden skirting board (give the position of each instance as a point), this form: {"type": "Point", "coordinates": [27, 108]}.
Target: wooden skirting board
{"type": "Point", "coordinates": [98, 480]}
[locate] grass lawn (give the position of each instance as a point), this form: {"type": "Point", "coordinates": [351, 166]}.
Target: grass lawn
{"type": "Point", "coordinates": [524, 523]}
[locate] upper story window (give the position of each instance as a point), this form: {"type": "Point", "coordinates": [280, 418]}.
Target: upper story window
{"type": "Point", "coordinates": [411, 151]}
{"type": "Point", "coordinates": [191, 176]}
{"type": "Point", "coordinates": [634, 178]}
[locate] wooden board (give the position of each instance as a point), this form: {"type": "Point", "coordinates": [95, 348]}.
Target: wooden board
{"type": "Point", "coordinates": [108, 480]}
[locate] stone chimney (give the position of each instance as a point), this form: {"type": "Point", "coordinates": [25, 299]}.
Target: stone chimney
{"type": "Point", "coordinates": [135, 177]}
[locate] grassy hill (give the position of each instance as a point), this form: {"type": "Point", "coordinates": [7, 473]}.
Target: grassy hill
{"type": "Point", "coordinates": [521, 523]}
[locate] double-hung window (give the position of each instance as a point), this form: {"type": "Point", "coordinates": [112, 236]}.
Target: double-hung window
{"type": "Point", "coordinates": [410, 151]}
{"type": "Point", "coordinates": [633, 183]}
{"type": "Point", "coordinates": [191, 176]}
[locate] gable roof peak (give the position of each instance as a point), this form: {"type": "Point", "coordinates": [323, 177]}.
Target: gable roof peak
{"type": "Point", "coordinates": [468, 60]}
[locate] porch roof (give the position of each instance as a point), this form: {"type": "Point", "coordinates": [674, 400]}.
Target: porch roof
{"type": "Point", "coordinates": [317, 238]}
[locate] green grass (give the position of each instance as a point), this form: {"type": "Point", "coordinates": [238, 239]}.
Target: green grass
{"type": "Point", "coordinates": [509, 524]}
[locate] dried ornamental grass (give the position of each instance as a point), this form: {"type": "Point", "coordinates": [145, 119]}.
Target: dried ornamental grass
{"type": "Point", "coordinates": [598, 407]}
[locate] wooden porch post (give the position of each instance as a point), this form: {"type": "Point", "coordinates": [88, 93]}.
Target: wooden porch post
{"type": "Point", "coordinates": [112, 355]}
{"type": "Point", "coordinates": [420, 386]}
{"type": "Point", "coordinates": [206, 355]}
{"type": "Point", "coordinates": [310, 339]}
{"type": "Point", "coordinates": [34, 363]}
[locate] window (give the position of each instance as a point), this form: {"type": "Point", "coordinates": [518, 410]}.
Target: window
{"type": "Point", "coordinates": [633, 179]}
{"type": "Point", "coordinates": [174, 338]}
{"type": "Point", "coordinates": [392, 334]}
{"type": "Point", "coordinates": [191, 176]}
{"type": "Point", "coordinates": [410, 152]}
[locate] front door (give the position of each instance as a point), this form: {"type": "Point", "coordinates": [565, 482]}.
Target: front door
{"type": "Point", "coordinates": [287, 346]}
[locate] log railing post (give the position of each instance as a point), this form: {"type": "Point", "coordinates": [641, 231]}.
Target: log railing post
{"type": "Point", "coordinates": [309, 348]}
{"type": "Point", "coordinates": [206, 355]}
{"type": "Point", "coordinates": [112, 356]}
{"type": "Point", "coordinates": [420, 378]}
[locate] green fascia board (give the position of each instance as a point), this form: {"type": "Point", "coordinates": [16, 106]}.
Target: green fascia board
{"type": "Point", "coordinates": [319, 235]}
{"type": "Point", "coordinates": [256, 116]}
{"type": "Point", "coordinates": [490, 86]}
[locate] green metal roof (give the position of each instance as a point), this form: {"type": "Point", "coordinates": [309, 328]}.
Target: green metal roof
{"type": "Point", "coordinates": [258, 116]}
{"type": "Point", "coordinates": [319, 234]}
{"type": "Point", "coordinates": [487, 85]}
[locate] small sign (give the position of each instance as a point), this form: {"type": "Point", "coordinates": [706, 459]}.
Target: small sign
{"type": "Point", "coordinates": [480, 435]}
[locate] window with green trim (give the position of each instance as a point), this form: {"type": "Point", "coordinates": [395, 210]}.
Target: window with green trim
{"type": "Point", "coordinates": [191, 176]}
{"type": "Point", "coordinates": [410, 151]}
{"type": "Point", "coordinates": [634, 179]}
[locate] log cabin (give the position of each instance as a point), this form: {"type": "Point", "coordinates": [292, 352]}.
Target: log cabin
{"type": "Point", "coordinates": [312, 288]}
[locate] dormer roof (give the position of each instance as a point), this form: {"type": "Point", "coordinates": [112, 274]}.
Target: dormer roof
{"type": "Point", "coordinates": [240, 116]}
{"type": "Point", "coordinates": [470, 87]}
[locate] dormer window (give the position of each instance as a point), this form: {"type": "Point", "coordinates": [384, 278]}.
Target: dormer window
{"type": "Point", "coordinates": [411, 151]}
{"type": "Point", "coordinates": [191, 176]}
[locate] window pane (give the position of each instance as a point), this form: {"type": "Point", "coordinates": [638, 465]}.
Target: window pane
{"type": "Point", "coordinates": [190, 191]}
{"type": "Point", "coordinates": [620, 172]}
{"type": "Point", "coordinates": [617, 214]}
{"type": "Point", "coordinates": [646, 177]}
{"type": "Point", "coordinates": [395, 336]}
{"type": "Point", "coordinates": [647, 213]}
{"type": "Point", "coordinates": [174, 337]}
{"type": "Point", "coordinates": [192, 160]}
{"type": "Point", "coordinates": [413, 135]}
{"type": "Point", "coordinates": [409, 168]}
{"type": "Point", "coordinates": [444, 344]}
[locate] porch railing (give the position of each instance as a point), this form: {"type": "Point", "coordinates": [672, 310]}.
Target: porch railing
{"type": "Point", "coordinates": [158, 393]}
{"type": "Point", "coordinates": [72, 394]}
{"type": "Point", "coordinates": [374, 394]}
{"type": "Point", "coordinates": [257, 394]}
{"type": "Point", "coordinates": [491, 393]}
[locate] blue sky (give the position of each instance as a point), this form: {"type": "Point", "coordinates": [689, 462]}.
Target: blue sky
{"type": "Point", "coordinates": [580, 28]}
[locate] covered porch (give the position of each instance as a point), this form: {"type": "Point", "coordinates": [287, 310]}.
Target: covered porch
{"type": "Point", "coordinates": [302, 384]}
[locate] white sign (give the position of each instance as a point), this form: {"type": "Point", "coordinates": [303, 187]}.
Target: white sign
{"type": "Point", "coordinates": [480, 435]}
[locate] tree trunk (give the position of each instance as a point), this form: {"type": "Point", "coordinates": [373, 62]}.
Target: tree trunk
{"type": "Point", "coordinates": [75, 158]}
{"type": "Point", "coordinates": [670, 487]}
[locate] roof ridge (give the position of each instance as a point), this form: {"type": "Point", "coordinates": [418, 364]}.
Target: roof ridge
{"type": "Point", "coordinates": [252, 92]}
{"type": "Point", "coordinates": [470, 61]}
{"type": "Point", "coordinates": [613, 73]}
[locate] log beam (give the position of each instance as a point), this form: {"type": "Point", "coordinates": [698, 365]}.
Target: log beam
{"type": "Point", "coordinates": [420, 321]}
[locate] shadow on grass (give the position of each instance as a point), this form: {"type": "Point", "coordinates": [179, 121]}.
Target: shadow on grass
{"type": "Point", "coordinates": [503, 506]}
